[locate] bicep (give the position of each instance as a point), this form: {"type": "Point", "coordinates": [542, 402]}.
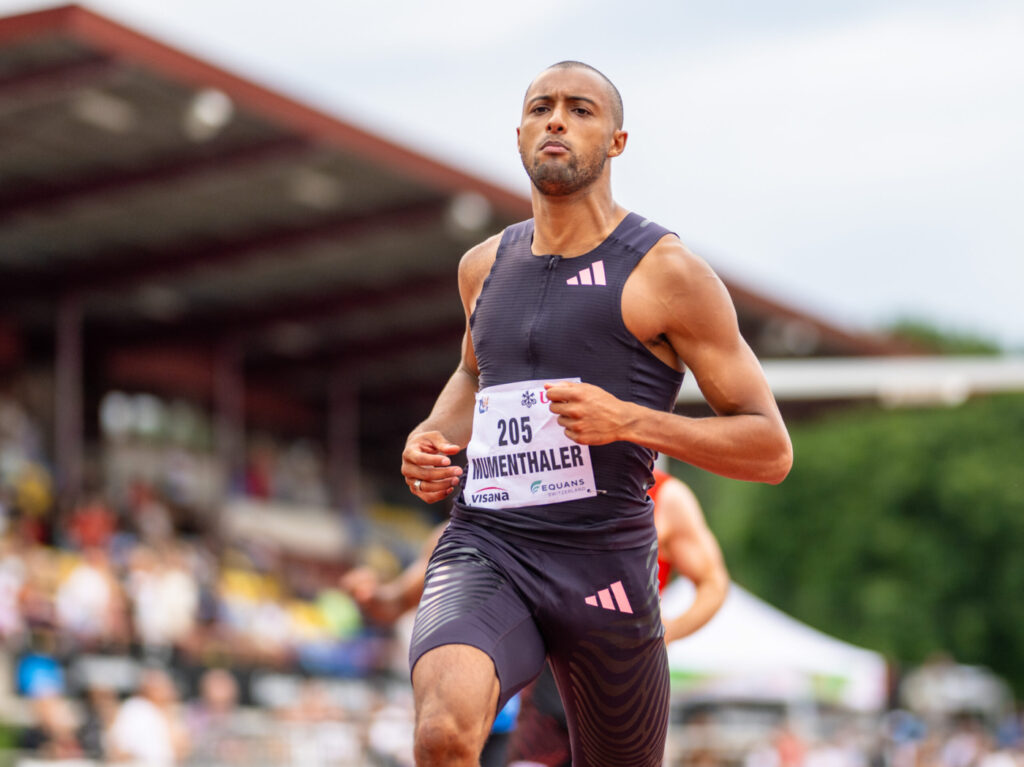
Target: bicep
{"type": "Point", "coordinates": [704, 331]}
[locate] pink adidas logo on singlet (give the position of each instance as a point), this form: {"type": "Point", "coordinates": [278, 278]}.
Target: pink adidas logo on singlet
{"type": "Point", "coordinates": [592, 275]}
{"type": "Point", "coordinates": [604, 596]}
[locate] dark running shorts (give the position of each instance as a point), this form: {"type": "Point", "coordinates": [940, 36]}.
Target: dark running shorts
{"type": "Point", "coordinates": [541, 735]}
{"type": "Point", "coordinates": [595, 614]}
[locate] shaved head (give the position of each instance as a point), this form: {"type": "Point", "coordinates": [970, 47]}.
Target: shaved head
{"type": "Point", "coordinates": [613, 93]}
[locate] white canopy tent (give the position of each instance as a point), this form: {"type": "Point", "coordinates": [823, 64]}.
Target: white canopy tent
{"type": "Point", "coordinates": [751, 650]}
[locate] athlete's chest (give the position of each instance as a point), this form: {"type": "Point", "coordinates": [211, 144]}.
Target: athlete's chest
{"type": "Point", "coordinates": [532, 301]}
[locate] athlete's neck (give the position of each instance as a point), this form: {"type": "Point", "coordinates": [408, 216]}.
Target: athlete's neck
{"type": "Point", "coordinates": [575, 224]}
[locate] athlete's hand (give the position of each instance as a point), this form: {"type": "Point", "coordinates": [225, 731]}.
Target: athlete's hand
{"type": "Point", "coordinates": [589, 414]}
{"type": "Point", "coordinates": [427, 469]}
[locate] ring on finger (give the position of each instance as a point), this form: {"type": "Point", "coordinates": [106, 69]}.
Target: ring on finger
{"type": "Point", "coordinates": [416, 484]}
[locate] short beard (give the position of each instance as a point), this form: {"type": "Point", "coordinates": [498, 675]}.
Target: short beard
{"type": "Point", "coordinates": [553, 179]}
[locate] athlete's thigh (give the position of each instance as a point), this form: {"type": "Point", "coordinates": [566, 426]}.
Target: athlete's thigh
{"type": "Point", "coordinates": [469, 600]}
{"type": "Point", "coordinates": [607, 651]}
{"type": "Point", "coordinates": [457, 684]}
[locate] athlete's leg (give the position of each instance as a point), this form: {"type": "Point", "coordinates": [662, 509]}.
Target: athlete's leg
{"type": "Point", "coordinates": [474, 645]}
{"type": "Point", "coordinates": [456, 693]}
{"type": "Point", "coordinates": [608, 655]}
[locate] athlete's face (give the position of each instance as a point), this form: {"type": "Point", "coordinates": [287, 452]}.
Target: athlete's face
{"type": "Point", "coordinates": [568, 130]}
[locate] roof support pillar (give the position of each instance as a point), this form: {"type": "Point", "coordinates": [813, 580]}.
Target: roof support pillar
{"type": "Point", "coordinates": [69, 434]}
{"type": "Point", "coordinates": [343, 456]}
{"type": "Point", "coordinates": [229, 411]}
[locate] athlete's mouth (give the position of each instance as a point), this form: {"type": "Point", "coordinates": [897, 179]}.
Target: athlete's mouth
{"type": "Point", "coordinates": [553, 147]}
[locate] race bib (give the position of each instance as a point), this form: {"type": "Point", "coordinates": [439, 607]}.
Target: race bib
{"type": "Point", "coordinates": [519, 454]}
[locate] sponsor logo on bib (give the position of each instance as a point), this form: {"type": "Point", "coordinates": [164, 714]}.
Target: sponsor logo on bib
{"type": "Point", "coordinates": [489, 495]}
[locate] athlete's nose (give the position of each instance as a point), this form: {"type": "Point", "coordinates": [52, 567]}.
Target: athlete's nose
{"type": "Point", "coordinates": [556, 123]}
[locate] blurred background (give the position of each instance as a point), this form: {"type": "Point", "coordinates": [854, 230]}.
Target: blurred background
{"type": "Point", "coordinates": [228, 241]}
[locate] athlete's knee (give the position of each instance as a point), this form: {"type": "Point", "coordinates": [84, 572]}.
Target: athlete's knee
{"type": "Point", "coordinates": [440, 740]}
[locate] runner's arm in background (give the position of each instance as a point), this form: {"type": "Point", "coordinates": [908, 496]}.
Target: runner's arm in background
{"type": "Point", "coordinates": [385, 603]}
{"type": "Point", "coordinates": [692, 550]}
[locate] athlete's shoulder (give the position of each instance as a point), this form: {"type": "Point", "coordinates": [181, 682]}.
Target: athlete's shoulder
{"type": "Point", "coordinates": [670, 267]}
{"type": "Point", "coordinates": [475, 264]}
{"type": "Point", "coordinates": [480, 256]}
{"type": "Point", "coordinates": [679, 294]}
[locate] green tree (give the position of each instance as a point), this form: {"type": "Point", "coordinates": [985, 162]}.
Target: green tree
{"type": "Point", "coordinates": [902, 531]}
{"type": "Point", "coordinates": [931, 338]}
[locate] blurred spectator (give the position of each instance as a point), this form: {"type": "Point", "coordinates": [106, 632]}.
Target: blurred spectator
{"type": "Point", "coordinates": [165, 598]}
{"type": "Point", "coordinates": [38, 590]}
{"type": "Point", "coordinates": [12, 578]}
{"type": "Point", "coordinates": [320, 732]}
{"type": "Point", "coordinates": [965, 745]}
{"type": "Point", "coordinates": [259, 469]}
{"type": "Point", "coordinates": [53, 734]}
{"type": "Point", "coordinates": [790, 747]}
{"type": "Point", "coordinates": [390, 735]}
{"type": "Point", "coordinates": [101, 706]}
{"type": "Point", "coordinates": [38, 672]}
{"type": "Point", "coordinates": [92, 524]}
{"type": "Point", "coordinates": [150, 515]}
{"type": "Point", "coordinates": [215, 725]}
{"type": "Point", "coordinates": [89, 603]}
{"type": "Point", "coordinates": [148, 727]}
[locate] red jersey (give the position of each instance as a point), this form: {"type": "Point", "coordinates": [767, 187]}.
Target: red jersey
{"type": "Point", "coordinates": [664, 566]}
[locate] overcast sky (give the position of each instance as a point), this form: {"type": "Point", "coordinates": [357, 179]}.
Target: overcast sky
{"type": "Point", "coordinates": [861, 159]}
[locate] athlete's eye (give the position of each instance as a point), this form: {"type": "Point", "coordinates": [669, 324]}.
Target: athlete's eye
{"type": "Point", "coordinates": [539, 109]}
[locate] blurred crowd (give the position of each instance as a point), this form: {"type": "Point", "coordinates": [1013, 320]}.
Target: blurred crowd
{"type": "Point", "coordinates": [897, 739]}
{"type": "Point", "coordinates": [133, 632]}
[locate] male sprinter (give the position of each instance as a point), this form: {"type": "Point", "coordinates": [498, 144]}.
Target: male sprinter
{"type": "Point", "coordinates": [686, 546]}
{"type": "Point", "coordinates": [580, 322]}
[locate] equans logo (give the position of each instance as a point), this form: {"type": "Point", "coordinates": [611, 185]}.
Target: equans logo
{"type": "Point", "coordinates": [592, 275]}
{"type": "Point", "coordinates": [539, 486]}
{"type": "Point", "coordinates": [489, 495]}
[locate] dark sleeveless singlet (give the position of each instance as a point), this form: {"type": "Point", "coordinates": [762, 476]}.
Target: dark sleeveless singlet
{"type": "Point", "coordinates": [549, 317]}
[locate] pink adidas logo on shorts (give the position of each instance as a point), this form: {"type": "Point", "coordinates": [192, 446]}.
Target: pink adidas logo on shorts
{"type": "Point", "coordinates": [604, 597]}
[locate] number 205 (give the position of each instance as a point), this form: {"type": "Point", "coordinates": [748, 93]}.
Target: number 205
{"type": "Point", "coordinates": [514, 430]}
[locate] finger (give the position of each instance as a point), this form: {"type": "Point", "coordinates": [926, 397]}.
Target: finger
{"type": "Point", "coordinates": [444, 483]}
{"type": "Point", "coordinates": [442, 449]}
{"type": "Point", "coordinates": [434, 442]}
{"type": "Point", "coordinates": [557, 391]}
{"type": "Point", "coordinates": [428, 495]}
{"type": "Point", "coordinates": [420, 458]}
{"type": "Point", "coordinates": [448, 474]}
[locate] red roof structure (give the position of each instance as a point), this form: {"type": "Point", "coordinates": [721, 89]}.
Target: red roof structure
{"type": "Point", "coordinates": [169, 226]}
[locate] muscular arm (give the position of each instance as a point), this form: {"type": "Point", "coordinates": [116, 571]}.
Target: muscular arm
{"type": "Point", "coordinates": [675, 296]}
{"type": "Point", "coordinates": [448, 428]}
{"type": "Point", "coordinates": [691, 549]}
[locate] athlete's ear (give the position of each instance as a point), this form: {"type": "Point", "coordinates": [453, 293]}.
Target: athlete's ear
{"type": "Point", "coordinates": [618, 145]}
